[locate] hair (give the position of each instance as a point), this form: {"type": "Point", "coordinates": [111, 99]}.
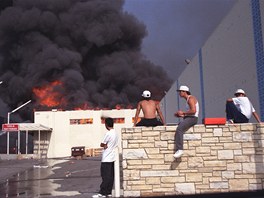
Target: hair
{"type": "Point", "coordinates": [146, 98]}
{"type": "Point", "coordinates": [188, 92]}
{"type": "Point", "coordinates": [109, 122]}
{"type": "Point", "coordinates": [238, 94]}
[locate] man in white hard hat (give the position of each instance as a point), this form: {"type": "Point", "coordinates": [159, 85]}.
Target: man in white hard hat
{"type": "Point", "coordinates": [239, 109]}
{"type": "Point", "coordinates": [149, 108]}
{"type": "Point", "coordinates": [190, 118]}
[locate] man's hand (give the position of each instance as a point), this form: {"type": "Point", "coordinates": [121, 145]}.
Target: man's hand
{"type": "Point", "coordinates": [179, 114]}
{"type": "Point", "coordinates": [104, 145]}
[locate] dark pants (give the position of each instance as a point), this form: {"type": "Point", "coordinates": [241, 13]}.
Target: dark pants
{"type": "Point", "coordinates": [233, 113]}
{"type": "Point", "coordinates": [149, 122]}
{"type": "Point", "coordinates": [183, 126]}
{"type": "Point", "coordinates": [107, 174]}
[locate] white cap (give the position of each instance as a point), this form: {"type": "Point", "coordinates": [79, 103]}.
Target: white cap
{"type": "Point", "coordinates": [146, 94]}
{"type": "Point", "coordinates": [240, 91]}
{"type": "Point", "coordinates": [184, 88]}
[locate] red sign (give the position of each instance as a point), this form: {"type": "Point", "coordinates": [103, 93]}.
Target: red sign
{"type": "Point", "coordinates": [10, 127]}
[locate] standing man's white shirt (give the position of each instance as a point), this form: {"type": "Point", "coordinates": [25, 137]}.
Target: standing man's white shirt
{"type": "Point", "coordinates": [244, 105]}
{"type": "Point", "coordinates": [111, 139]}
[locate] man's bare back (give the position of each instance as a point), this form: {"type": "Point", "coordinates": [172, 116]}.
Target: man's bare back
{"type": "Point", "coordinates": [149, 108]}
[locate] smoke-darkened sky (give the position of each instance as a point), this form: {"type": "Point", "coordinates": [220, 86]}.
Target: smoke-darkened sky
{"type": "Point", "coordinates": [177, 29]}
{"type": "Point", "coordinates": [69, 54]}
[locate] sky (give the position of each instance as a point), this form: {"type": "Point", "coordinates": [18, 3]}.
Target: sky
{"type": "Point", "coordinates": [177, 29]}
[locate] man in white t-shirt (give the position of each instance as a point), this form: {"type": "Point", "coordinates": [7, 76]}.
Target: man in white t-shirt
{"type": "Point", "coordinates": [240, 109]}
{"type": "Point", "coordinates": [109, 143]}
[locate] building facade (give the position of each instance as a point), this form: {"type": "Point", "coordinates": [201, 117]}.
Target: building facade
{"type": "Point", "coordinates": [82, 128]}
{"type": "Point", "coordinates": [231, 58]}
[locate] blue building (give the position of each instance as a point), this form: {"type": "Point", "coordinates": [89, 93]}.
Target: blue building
{"type": "Point", "coordinates": [231, 58]}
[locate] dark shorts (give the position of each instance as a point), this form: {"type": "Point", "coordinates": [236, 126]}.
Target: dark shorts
{"type": "Point", "coordinates": [149, 122]}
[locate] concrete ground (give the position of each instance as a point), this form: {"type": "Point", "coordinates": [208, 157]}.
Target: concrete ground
{"type": "Point", "coordinates": [67, 177]}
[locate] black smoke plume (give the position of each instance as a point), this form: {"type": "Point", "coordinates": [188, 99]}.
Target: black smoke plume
{"type": "Point", "coordinates": [92, 47]}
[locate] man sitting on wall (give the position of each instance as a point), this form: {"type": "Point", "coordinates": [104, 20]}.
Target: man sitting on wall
{"type": "Point", "coordinates": [149, 108]}
{"type": "Point", "coordinates": [240, 109]}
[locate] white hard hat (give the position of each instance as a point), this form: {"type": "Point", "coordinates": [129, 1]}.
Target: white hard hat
{"type": "Point", "coordinates": [146, 94]}
{"type": "Point", "coordinates": [240, 91]}
{"type": "Point", "coordinates": [184, 88]}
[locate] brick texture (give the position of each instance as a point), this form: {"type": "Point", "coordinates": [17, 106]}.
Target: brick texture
{"type": "Point", "coordinates": [219, 158]}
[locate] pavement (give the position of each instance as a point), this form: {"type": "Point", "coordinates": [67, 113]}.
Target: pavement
{"type": "Point", "coordinates": [64, 177]}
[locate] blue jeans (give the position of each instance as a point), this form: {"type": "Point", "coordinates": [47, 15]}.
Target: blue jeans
{"type": "Point", "coordinates": [233, 113]}
{"type": "Point", "coordinates": [183, 126]}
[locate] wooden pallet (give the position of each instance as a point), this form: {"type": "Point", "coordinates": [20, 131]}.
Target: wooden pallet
{"type": "Point", "coordinates": [92, 152]}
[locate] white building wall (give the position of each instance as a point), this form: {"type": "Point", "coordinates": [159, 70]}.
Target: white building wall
{"type": "Point", "coordinates": [60, 135]}
{"type": "Point", "coordinates": [227, 61]}
{"type": "Point", "coordinates": [64, 135]}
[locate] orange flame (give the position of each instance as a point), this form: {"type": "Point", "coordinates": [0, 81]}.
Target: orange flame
{"type": "Point", "coordinates": [85, 106]}
{"type": "Point", "coordinates": [48, 96]}
{"type": "Point", "coordinates": [118, 107]}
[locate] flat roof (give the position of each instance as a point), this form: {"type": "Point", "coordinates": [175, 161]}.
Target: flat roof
{"type": "Point", "coordinates": [33, 127]}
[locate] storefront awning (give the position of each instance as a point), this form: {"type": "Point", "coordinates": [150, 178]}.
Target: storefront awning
{"type": "Point", "coordinates": [33, 127]}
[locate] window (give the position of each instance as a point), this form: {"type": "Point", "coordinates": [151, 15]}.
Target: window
{"type": "Point", "coordinates": [116, 120]}
{"type": "Point", "coordinates": [81, 121]}
{"type": "Point", "coordinates": [133, 119]}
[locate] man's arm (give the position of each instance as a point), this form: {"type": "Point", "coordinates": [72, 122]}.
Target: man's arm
{"type": "Point", "coordinates": [137, 113]}
{"type": "Point", "coordinates": [256, 117]}
{"type": "Point", "coordinates": [103, 145]}
{"type": "Point", "coordinates": [160, 113]}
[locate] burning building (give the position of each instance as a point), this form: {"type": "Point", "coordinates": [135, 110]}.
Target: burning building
{"type": "Point", "coordinates": [73, 54]}
{"type": "Point", "coordinates": [80, 128]}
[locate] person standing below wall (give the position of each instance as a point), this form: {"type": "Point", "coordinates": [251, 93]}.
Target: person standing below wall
{"type": "Point", "coordinates": [240, 109]}
{"type": "Point", "coordinates": [109, 143]}
{"type": "Point", "coordinates": [190, 118]}
{"type": "Point", "coordinates": [149, 108]}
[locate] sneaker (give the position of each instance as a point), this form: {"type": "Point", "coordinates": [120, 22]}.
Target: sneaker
{"type": "Point", "coordinates": [178, 154]}
{"type": "Point", "coordinates": [230, 121]}
{"type": "Point", "coordinates": [110, 195]}
{"type": "Point", "coordinates": [98, 195]}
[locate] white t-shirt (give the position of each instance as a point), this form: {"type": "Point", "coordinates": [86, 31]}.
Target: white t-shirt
{"type": "Point", "coordinates": [244, 105]}
{"type": "Point", "coordinates": [111, 139]}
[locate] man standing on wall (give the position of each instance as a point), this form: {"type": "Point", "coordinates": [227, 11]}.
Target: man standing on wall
{"type": "Point", "coordinates": [109, 143]}
{"type": "Point", "coordinates": [149, 108]}
{"type": "Point", "coordinates": [190, 118]}
{"type": "Point", "coordinates": [240, 109]}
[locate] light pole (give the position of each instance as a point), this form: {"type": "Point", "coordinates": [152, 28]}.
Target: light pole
{"type": "Point", "coordinates": [187, 61]}
{"type": "Point", "coordinates": [8, 114]}
{"type": "Point", "coordinates": [8, 121]}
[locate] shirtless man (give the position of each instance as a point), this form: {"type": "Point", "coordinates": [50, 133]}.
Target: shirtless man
{"type": "Point", "coordinates": [149, 108]}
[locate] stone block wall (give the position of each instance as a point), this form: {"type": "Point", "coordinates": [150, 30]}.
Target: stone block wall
{"type": "Point", "coordinates": [217, 158]}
